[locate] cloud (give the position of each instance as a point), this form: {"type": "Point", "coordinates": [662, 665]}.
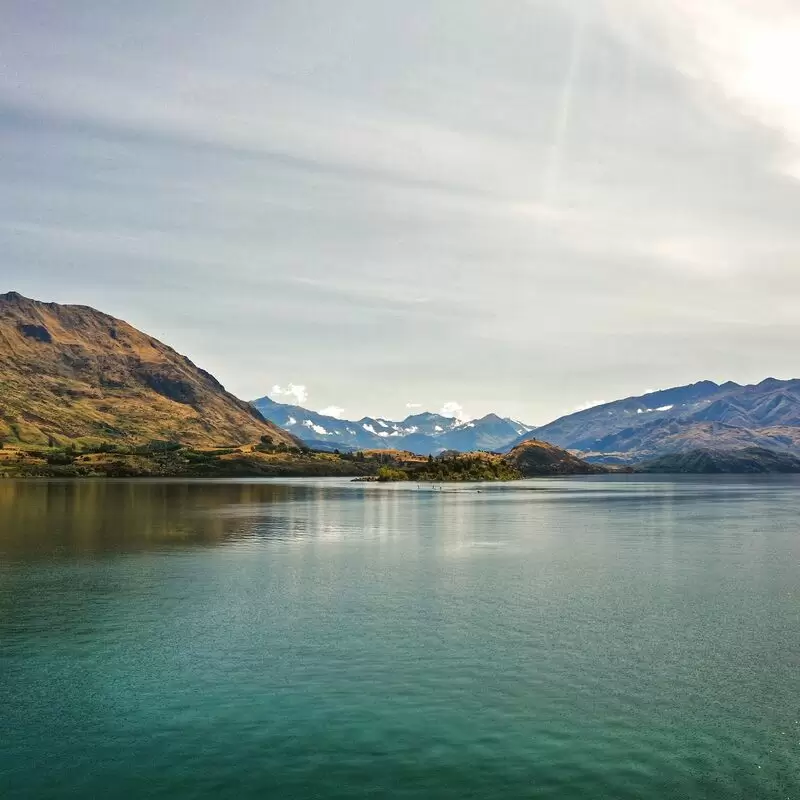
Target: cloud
{"type": "Point", "coordinates": [332, 411]}
{"type": "Point", "coordinates": [455, 411]}
{"type": "Point", "coordinates": [413, 405]}
{"type": "Point", "coordinates": [297, 392]}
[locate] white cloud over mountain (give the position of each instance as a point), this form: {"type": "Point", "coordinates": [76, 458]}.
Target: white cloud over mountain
{"type": "Point", "coordinates": [296, 393]}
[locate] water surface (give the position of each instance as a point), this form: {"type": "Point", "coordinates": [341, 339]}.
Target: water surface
{"type": "Point", "coordinates": [581, 638]}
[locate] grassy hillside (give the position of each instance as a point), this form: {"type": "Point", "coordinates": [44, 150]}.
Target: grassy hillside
{"type": "Point", "coordinates": [74, 374]}
{"type": "Point", "coordinates": [534, 458]}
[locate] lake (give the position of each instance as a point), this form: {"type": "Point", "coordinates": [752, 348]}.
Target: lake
{"type": "Point", "coordinates": [610, 637]}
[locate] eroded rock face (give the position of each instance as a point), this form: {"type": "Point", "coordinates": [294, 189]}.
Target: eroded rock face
{"type": "Point", "coordinates": [37, 332]}
{"type": "Point", "coordinates": [181, 391]}
{"type": "Point", "coordinates": [72, 371]}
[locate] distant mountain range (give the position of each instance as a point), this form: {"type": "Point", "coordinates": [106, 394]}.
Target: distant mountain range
{"type": "Point", "coordinates": [704, 416]}
{"type": "Point", "coordinates": [423, 434]}
{"type": "Point", "coordinates": [705, 421]}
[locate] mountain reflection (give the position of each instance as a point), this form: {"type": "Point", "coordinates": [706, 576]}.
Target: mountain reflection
{"type": "Point", "coordinates": [46, 517]}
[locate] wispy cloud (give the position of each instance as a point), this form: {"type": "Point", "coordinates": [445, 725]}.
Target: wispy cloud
{"type": "Point", "coordinates": [413, 405]}
{"type": "Point", "coordinates": [301, 183]}
{"type": "Point", "coordinates": [745, 51]}
{"type": "Point", "coordinates": [332, 411]}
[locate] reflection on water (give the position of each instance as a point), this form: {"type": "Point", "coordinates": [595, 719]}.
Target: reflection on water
{"type": "Point", "coordinates": [96, 516]}
{"type": "Point", "coordinates": [46, 518]}
{"type": "Point", "coordinates": [617, 638]}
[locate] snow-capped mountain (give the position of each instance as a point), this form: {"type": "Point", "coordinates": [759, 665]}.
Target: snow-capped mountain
{"type": "Point", "coordinates": [420, 433]}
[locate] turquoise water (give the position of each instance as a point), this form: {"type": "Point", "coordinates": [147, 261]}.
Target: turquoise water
{"type": "Point", "coordinates": [580, 638]}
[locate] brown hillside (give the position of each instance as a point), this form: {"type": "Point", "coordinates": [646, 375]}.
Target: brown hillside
{"type": "Point", "coordinates": [534, 458]}
{"type": "Point", "coordinates": [71, 372]}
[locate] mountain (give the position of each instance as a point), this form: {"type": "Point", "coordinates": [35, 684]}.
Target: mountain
{"type": "Point", "coordinates": [584, 429]}
{"type": "Point", "coordinates": [423, 434]}
{"type": "Point", "coordinates": [71, 372]}
{"type": "Point", "coordinates": [368, 433]}
{"type": "Point", "coordinates": [534, 458]}
{"type": "Point", "coordinates": [684, 436]}
{"type": "Point", "coordinates": [749, 460]}
{"type": "Point", "coordinates": [487, 433]}
{"type": "Point", "coordinates": [427, 424]}
{"type": "Point", "coordinates": [703, 415]}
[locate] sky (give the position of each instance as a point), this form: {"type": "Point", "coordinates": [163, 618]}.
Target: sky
{"type": "Point", "coordinates": [522, 207]}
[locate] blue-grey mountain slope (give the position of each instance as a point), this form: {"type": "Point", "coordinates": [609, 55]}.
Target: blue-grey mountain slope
{"type": "Point", "coordinates": [704, 415]}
